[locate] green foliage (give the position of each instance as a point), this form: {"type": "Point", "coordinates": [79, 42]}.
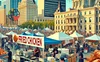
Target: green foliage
{"type": "Point", "coordinates": [35, 25]}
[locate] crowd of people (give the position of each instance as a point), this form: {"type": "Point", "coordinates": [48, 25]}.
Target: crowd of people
{"type": "Point", "coordinates": [8, 44]}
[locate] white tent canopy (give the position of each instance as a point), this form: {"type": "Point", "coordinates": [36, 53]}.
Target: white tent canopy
{"type": "Point", "coordinates": [93, 37]}
{"type": "Point", "coordinates": [75, 34]}
{"type": "Point", "coordinates": [47, 29]}
{"type": "Point", "coordinates": [27, 32]}
{"type": "Point", "coordinates": [60, 36]}
{"type": "Point", "coordinates": [2, 36]}
{"type": "Point", "coordinates": [10, 33]}
{"type": "Point", "coordinates": [25, 29]}
{"type": "Point", "coordinates": [35, 30]}
{"type": "Point", "coordinates": [40, 34]}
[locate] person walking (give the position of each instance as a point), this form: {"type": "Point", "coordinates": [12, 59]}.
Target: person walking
{"type": "Point", "coordinates": [81, 57]}
{"type": "Point", "coordinates": [98, 47]}
{"type": "Point", "coordinates": [9, 55]}
{"type": "Point", "coordinates": [55, 51]}
{"type": "Point", "coordinates": [77, 48]}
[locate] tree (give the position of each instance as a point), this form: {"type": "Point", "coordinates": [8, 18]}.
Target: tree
{"type": "Point", "coordinates": [35, 25]}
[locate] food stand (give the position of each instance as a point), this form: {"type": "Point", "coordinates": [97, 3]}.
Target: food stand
{"type": "Point", "coordinates": [28, 41]}
{"type": "Point", "coordinates": [3, 53]}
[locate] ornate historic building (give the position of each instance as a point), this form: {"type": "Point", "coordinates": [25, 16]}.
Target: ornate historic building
{"type": "Point", "coordinates": [82, 17]}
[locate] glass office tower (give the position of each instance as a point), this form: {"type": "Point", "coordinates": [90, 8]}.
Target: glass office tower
{"type": "Point", "coordinates": [50, 7]}
{"type": "Point", "coordinates": [0, 3]}
{"type": "Point", "coordinates": [14, 4]}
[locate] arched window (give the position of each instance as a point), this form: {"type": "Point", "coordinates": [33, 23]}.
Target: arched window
{"type": "Point", "coordinates": [90, 19]}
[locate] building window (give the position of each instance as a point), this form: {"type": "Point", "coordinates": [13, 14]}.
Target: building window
{"type": "Point", "coordinates": [90, 19]}
{"type": "Point", "coordinates": [80, 27]}
{"type": "Point", "coordinates": [99, 3]}
{"type": "Point", "coordinates": [71, 20]}
{"type": "Point", "coordinates": [99, 26]}
{"type": "Point", "coordinates": [80, 13]}
{"type": "Point", "coordinates": [70, 14]}
{"type": "Point", "coordinates": [96, 11]}
{"type": "Point", "coordinates": [64, 27]}
{"type": "Point", "coordinates": [56, 16]}
{"type": "Point", "coordinates": [89, 27]}
{"type": "Point", "coordinates": [85, 27]}
{"type": "Point", "coordinates": [89, 12]}
{"type": "Point", "coordinates": [64, 16]}
{"type": "Point", "coordinates": [64, 21]}
{"type": "Point", "coordinates": [75, 20]}
{"type": "Point", "coordinates": [96, 19]}
{"type": "Point", "coordinates": [81, 21]}
{"type": "Point", "coordinates": [56, 21]}
{"type": "Point", "coordinates": [61, 27]}
{"type": "Point", "coordinates": [85, 20]}
{"type": "Point", "coordinates": [4, 6]}
{"type": "Point", "coordinates": [99, 11]}
{"type": "Point", "coordinates": [61, 21]}
{"type": "Point", "coordinates": [56, 27]}
{"type": "Point", "coordinates": [99, 19]}
{"type": "Point", "coordinates": [61, 16]}
{"type": "Point", "coordinates": [84, 13]}
{"type": "Point", "coordinates": [74, 14]}
{"type": "Point", "coordinates": [96, 27]}
{"type": "Point", "coordinates": [75, 27]}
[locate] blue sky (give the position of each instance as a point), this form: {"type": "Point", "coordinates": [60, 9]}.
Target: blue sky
{"type": "Point", "coordinates": [68, 3]}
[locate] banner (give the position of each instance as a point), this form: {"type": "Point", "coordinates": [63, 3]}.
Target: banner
{"type": "Point", "coordinates": [29, 40]}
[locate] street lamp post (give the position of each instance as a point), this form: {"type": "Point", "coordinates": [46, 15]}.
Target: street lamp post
{"type": "Point", "coordinates": [32, 27]}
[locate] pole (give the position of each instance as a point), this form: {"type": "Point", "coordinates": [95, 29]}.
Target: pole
{"type": "Point", "coordinates": [43, 55]}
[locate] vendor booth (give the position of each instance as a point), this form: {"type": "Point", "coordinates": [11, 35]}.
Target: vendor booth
{"type": "Point", "coordinates": [62, 37]}
{"type": "Point", "coordinates": [27, 33]}
{"type": "Point", "coordinates": [28, 41]}
{"type": "Point", "coordinates": [92, 40]}
{"type": "Point", "coordinates": [35, 42]}
{"type": "Point", "coordinates": [77, 36]}
{"type": "Point", "coordinates": [39, 34]}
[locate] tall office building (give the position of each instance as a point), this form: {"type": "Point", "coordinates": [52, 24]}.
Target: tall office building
{"type": "Point", "coordinates": [9, 4]}
{"type": "Point", "coordinates": [14, 4]}
{"type": "Point", "coordinates": [48, 7]}
{"type": "Point", "coordinates": [0, 3]}
{"type": "Point", "coordinates": [2, 17]}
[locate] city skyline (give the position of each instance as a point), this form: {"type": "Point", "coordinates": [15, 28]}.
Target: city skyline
{"type": "Point", "coordinates": [68, 3]}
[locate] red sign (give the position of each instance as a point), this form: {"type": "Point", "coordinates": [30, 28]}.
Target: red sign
{"type": "Point", "coordinates": [15, 18]}
{"type": "Point", "coordinates": [30, 40]}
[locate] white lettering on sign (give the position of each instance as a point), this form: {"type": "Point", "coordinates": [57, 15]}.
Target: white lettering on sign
{"type": "Point", "coordinates": [31, 40]}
